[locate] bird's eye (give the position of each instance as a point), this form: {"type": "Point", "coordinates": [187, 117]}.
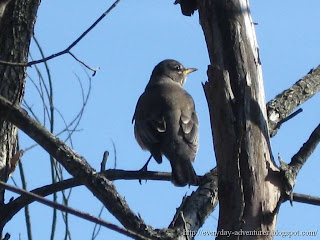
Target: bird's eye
{"type": "Point", "coordinates": [178, 68]}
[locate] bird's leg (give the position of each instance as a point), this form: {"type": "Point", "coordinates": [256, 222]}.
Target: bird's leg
{"type": "Point", "coordinates": [145, 167]}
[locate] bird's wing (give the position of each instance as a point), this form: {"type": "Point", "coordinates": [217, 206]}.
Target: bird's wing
{"type": "Point", "coordinates": [148, 131]}
{"type": "Point", "coordinates": [149, 125]}
{"type": "Point", "coordinates": [189, 126]}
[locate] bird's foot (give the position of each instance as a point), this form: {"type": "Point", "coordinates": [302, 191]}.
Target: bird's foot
{"type": "Point", "coordinates": [145, 168]}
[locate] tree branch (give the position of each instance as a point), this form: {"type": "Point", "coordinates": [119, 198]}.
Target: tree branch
{"type": "Point", "coordinates": [298, 197]}
{"type": "Point", "coordinates": [94, 70]}
{"type": "Point", "coordinates": [198, 206]}
{"type": "Point", "coordinates": [11, 208]}
{"type": "Point", "coordinates": [291, 170]}
{"type": "Point", "coordinates": [305, 151]}
{"type": "Point", "coordinates": [284, 104]}
{"type": "Point", "coordinates": [78, 167]}
{"type": "Point", "coordinates": [67, 50]}
{"type": "Point", "coordinates": [72, 211]}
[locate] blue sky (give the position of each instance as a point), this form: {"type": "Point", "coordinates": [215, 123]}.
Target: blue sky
{"type": "Point", "coordinates": [126, 46]}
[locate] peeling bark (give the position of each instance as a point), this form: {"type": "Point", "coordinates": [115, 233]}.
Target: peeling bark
{"type": "Point", "coordinates": [249, 188]}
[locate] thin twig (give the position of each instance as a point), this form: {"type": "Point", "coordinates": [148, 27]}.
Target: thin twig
{"type": "Point", "coordinates": [72, 211]}
{"type": "Point", "coordinates": [67, 50]}
{"type": "Point", "coordinates": [289, 117]}
{"type": "Point", "coordinates": [104, 161]}
{"type": "Point", "coordinates": [114, 153]}
{"type": "Point", "coordinates": [26, 208]}
{"type": "Point", "coordinates": [97, 228]}
{"type": "Point", "coordinates": [76, 120]}
{"type": "Point", "coordinates": [84, 64]}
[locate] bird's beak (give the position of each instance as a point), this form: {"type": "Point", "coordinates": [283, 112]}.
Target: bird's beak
{"type": "Point", "coordinates": [189, 70]}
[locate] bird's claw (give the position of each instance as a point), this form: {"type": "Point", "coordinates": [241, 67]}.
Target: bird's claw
{"type": "Point", "coordinates": [144, 168]}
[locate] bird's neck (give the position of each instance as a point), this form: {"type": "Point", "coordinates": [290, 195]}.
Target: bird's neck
{"type": "Point", "coordinates": [158, 81]}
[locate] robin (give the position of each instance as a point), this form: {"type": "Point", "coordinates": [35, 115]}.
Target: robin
{"type": "Point", "coordinates": [166, 122]}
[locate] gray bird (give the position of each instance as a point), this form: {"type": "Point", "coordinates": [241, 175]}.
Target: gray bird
{"type": "Point", "coordinates": [166, 122]}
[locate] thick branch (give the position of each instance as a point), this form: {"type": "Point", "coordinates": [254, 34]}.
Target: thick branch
{"type": "Point", "coordinates": [72, 211]}
{"type": "Point", "coordinates": [195, 208]}
{"type": "Point", "coordinates": [77, 166]}
{"type": "Point", "coordinates": [284, 104]}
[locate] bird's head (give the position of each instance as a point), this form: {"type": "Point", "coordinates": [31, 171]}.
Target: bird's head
{"type": "Point", "coordinates": [173, 70]}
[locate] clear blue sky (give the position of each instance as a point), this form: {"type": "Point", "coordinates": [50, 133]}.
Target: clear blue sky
{"type": "Point", "coordinates": [126, 45]}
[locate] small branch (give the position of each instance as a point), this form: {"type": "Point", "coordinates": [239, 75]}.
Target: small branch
{"type": "Point", "coordinates": [26, 209]}
{"type": "Point", "coordinates": [298, 197]}
{"type": "Point", "coordinates": [291, 170]}
{"type": "Point", "coordinates": [72, 211]}
{"type": "Point", "coordinates": [67, 50]}
{"type": "Point", "coordinates": [284, 104]}
{"type": "Point", "coordinates": [97, 228]}
{"type": "Point", "coordinates": [289, 117]}
{"type": "Point", "coordinates": [84, 64]}
{"type": "Point", "coordinates": [6, 237]}
{"type": "Point", "coordinates": [305, 151]}
{"type": "Point", "coordinates": [104, 161]}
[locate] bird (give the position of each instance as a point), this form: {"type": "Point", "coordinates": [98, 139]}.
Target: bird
{"type": "Point", "coordinates": [166, 122]}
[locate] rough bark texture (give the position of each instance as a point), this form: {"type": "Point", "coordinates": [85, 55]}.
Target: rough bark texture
{"type": "Point", "coordinates": [249, 189]}
{"type": "Point", "coordinates": [78, 167]}
{"type": "Point", "coordinates": [196, 208]}
{"type": "Point", "coordinates": [283, 104]}
{"type": "Point", "coordinates": [17, 18]}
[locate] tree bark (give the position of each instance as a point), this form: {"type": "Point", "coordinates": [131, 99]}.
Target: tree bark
{"type": "Point", "coordinates": [249, 189]}
{"type": "Point", "coordinates": [17, 18]}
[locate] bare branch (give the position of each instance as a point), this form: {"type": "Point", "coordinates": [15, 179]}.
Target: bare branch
{"type": "Point", "coordinates": [199, 205]}
{"type": "Point", "coordinates": [6, 237]}
{"type": "Point", "coordinates": [298, 197]}
{"type": "Point", "coordinates": [77, 166]}
{"type": "Point", "coordinates": [11, 208]}
{"type": "Point", "coordinates": [104, 161]}
{"type": "Point", "coordinates": [67, 50]}
{"type": "Point", "coordinates": [196, 208]}
{"type": "Point", "coordinates": [288, 118]}
{"type": "Point", "coordinates": [84, 64]}
{"type": "Point", "coordinates": [291, 170]}
{"type": "Point", "coordinates": [284, 104]}
{"type": "Point", "coordinates": [305, 151]}
{"type": "Point", "coordinates": [72, 211]}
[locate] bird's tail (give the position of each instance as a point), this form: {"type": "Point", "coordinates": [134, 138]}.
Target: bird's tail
{"type": "Point", "coordinates": [183, 173]}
